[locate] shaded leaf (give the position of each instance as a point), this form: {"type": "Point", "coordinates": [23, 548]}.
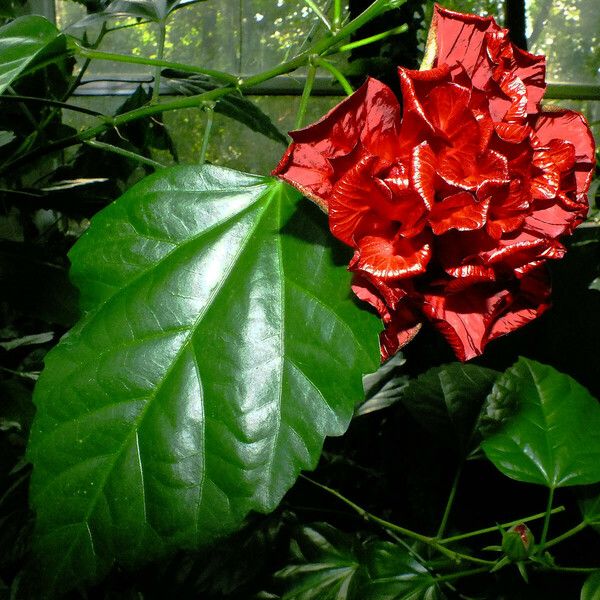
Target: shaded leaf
{"type": "Point", "coordinates": [591, 587]}
{"type": "Point", "coordinates": [36, 338]}
{"type": "Point", "coordinates": [6, 137]}
{"type": "Point", "coordinates": [326, 566]}
{"type": "Point", "coordinates": [590, 506]}
{"type": "Point", "coordinates": [234, 106]}
{"type": "Point", "coordinates": [448, 401]}
{"type": "Point", "coordinates": [219, 348]}
{"type": "Point", "coordinates": [595, 285]}
{"type": "Point", "coordinates": [553, 439]}
{"type": "Point", "coordinates": [23, 42]}
{"type": "Point", "coordinates": [395, 575]}
{"type": "Point", "coordinates": [384, 387]}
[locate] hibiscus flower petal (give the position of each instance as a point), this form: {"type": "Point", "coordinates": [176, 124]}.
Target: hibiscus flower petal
{"type": "Point", "coordinates": [463, 318]}
{"type": "Point", "coordinates": [370, 117]}
{"type": "Point", "coordinates": [392, 258]}
{"type": "Point", "coordinates": [461, 211]}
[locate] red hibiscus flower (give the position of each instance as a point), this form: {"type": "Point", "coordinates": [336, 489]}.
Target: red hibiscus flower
{"type": "Point", "coordinates": [454, 199]}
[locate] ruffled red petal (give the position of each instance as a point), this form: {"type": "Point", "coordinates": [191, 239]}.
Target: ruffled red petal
{"type": "Point", "coordinates": [461, 211]}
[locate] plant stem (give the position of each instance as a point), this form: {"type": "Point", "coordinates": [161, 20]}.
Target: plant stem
{"type": "Point", "coordinates": [319, 13]}
{"type": "Point", "coordinates": [429, 541]}
{"type": "Point", "coordinates": [310, 79]}
{"type": "Point", "coordinates": [337, 14]}
{"type": "Point", "coordinates": [566, 535]}
{"type": "Point", "coordinates": [154, 62]}
{"type": "Point", "coordinates": [450, 502]}
{"type": "Point", "coordinates": [125, 153]}
{"type": "Point", "coordinates": [336, 73]}
{"type": "Point", "coordinates": [374, 38]}
{"type": "Point", "coordinates": [546, 520]}
{"type": "Point", "coordinates": [469, 534]}
{"type": "Point", "coordinates": [461, 574]}
{"type": "Point", "coordinates": [162, 34]}
{"type": "Point", "coordinates": [575, 569]}
{"type": "Point", "coordinates": [210, 113]}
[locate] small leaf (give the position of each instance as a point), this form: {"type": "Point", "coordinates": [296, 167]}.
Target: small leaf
{"type": "Point", "coordinates": [327, 566]}
{"type": "Point", "coordinates": [595, 285]}
{"type": "Point", "coordinates": [553, 439]}
{"type": "Point", "coordinates": [234, 106]}
{"type": "Point", "coordinates": [384, 387]}
{"type": "Point", "coordinates": [590, 506]}
{"type": "Point", "coordinates": [591, 587]}
{"type": "Point", "coordinates": [22, 42]}
{"type": "Point", "coordinates": [6, 137]}
{"type": "Point", "coordinates": [448, 400]}
{"type": "Point", "coordinates": [37, 338]}
{"type": "Point", "coordinates": [219, 348]}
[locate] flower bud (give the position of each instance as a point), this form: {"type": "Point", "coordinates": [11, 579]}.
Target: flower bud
{"type": "Point", "coordinates": [517, 542]}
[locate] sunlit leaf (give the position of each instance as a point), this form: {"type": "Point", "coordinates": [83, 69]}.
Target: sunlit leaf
{"type": "Point", "coordinates": [553, 438]}
{"type": "Point", "coordinates": [220, 347]}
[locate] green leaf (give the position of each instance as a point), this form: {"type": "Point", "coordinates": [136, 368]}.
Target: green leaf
{"type": "Point", "coordinates": [219, 348]}
{"type": "Point", "coordinates": [448, 401]}
{"type": "Point", "coordinates": [234, 106]}
{"type": "Point", "coordinates": [6, 137]}
{"type": "Point", "coordinates": [595, 285]}
{"type": "Point", "coordinates": [553, 439]}
{"type": "Point", "coordinates": [591, 587]}
{"type": "Point", "coordinates": [332, 565]}
{"type": "Point", "coordinates": [395, 575]}
{"type": "Point", "coordinates": [589, 504]}
{"type": "Point", "coordinates": [326, 566]}
{"type": "Point", "coordinates": [23, 42]}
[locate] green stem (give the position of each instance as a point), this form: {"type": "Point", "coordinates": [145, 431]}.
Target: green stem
{"type": "Point", "coordinates": [374, 10]}
{"type": "Point", "coordinates": [494, 528]}
{"type": "Point", "coordinates": [126, 153]}
{"type": "Point", "coordinates": [318, 12]}
{"type": "Point", "coordinates": [547, 520]}
{"type": "Point", "coordinates": [374, 38]}
{"type": "Point", "coordinates": [310, 79]}
{"type": "Point", "coordinates": [162, 34]}
{"type": "Point", "coordinates": [153, 62]}
{"type": "Point", "coordinates": [429, 541]}
{"type": "Point", "coordinates": [565, 535]}
{"type": "Point", "coordinates": [575, 569]}
{"type": "Point", "coordinates": [337, 15]}
{"type": "Point", "coordinates": [450, 502]}
{"type": "Point", "coordinates": [461, 574]}
{"type": "Point", "coordinates": [210, 113]}
{"type": "Point", "coordinates": [336, 73]}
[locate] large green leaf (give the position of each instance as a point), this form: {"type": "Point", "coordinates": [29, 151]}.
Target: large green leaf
{"type": "Point", "coordinates": [553, 439]}
{"type": "Point", "coordinates": [219, 348]}
{"type": "Point", "coordinates": [22, 43]}
{"type": "Point", "coordinates": [448, 401]}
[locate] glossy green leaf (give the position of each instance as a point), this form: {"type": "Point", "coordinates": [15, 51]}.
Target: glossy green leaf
{"type": "Point", "coordinates": [591, 587]}
{"type": "Point", "coordinates": [220, 346]}
{"type": "Point", "coordinates": [22, 42]}
{"type": "Point", "coordinates": [236, 107]}
{"type": "Point", "coordinates": [553, 439]}
{"type": "Point", "coordinates": [326, 566]}
{"type": "Point", "coordinates": [448, 401]}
